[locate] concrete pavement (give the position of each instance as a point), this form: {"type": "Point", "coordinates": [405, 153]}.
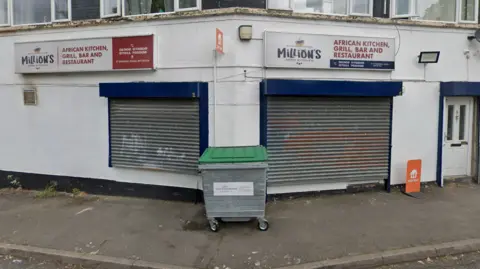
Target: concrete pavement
{"type": "Point", "coordinates": [463, 261]}
{"type": "Point", "coordinates": [302, 230]}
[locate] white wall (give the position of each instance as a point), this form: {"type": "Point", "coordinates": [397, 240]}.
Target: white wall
{"type": "Point", "coordinates": [415, 130]}
{"type": "Point", "coordinates": [66, 134]}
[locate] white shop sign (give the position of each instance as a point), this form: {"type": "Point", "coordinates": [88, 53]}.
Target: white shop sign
{"type": "Point", "coordinates": [315, 51]}
{"type": "Point", "coordinates": [84, 55]}
{"type": "Point", "coordinates": [233, 189]}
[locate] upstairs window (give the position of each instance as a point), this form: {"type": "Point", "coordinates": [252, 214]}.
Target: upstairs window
{"type": "Point", "coordinates": [32, 12]}
{"type": "Point", "coordinates": [142, 7]}
{"type": "Point", "coordinates": [4, 13]}
{"type": "Point", "coordinates": [335, 7]}
{"type": "Point", "coordinates": [35, 11]}
{"type": "Point", "coordinates": [463, 11]}
{"type": "Point", "coordinates": [110, 8]}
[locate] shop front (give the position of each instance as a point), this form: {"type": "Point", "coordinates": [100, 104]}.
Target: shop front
{"type": "Point", "coordinates": [327, 131]}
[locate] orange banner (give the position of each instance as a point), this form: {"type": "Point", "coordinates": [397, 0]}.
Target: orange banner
{"type": "Point", "coordinates": [414, 175]}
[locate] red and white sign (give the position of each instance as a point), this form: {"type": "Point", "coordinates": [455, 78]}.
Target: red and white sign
{"type": "Point", "coordinates": [414, 176]}
{"type": "Point", "coordinates": [219, 41]}
{"type": "Point", "coordinates": [85, 55]}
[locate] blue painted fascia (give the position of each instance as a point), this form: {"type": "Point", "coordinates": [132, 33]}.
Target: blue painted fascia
{"type": "Point", "coordinates": [151, 89]}
{"type": "Point", "coordinates": [332, 88]}
{"type": "Point", "coordinates": [460, 88]}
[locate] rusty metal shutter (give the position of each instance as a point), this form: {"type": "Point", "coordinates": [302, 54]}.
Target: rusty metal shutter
{"type": "Point", "coordinates": [328, 139]}
{"type": "Point", "coordinates": [158, 134]}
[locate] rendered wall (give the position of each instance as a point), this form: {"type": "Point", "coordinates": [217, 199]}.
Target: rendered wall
{"type": "Point", "coordinates": [67, 133]}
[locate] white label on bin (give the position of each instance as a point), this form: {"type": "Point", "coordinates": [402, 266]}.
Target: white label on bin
{"type": "Point", "coordinates": [233, 189]}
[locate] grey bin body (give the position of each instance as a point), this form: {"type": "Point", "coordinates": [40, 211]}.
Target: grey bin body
{"type": "Point", "coordinates": [241, 207]}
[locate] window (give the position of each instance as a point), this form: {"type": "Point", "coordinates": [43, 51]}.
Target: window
{"type": "Point", "coordinates": [61, 10]}
{"type": "Point", "coordinates": [36, 11]}
{"type": "Point", "coordinates": [85, 9]}
{"type": "Point", "coordinates": [437, 10]}
{"type": "Point", "coordinates": [109, 8]}
{"type": "Point", "coordinates": [32, 11]}
{"type": "Point", "coordinates": [139, 7]}
{"type": "Point", "coordinates": [461, 124]}
{"type": "Point", "coordinates": [4, 13]}
{"type": "Point", "coordinates": [335, 7]}
{"type": "Point", "coordinates": [450, 122]}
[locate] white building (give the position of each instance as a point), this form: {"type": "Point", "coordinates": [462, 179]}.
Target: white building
{"type": "Point", "coordinates": [126, 104]}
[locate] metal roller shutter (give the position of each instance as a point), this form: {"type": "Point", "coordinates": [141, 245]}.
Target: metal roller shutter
{"type": "Point", "coordinates": [155, 134]}
{"type": "Point", "coordinates": [328, 139]}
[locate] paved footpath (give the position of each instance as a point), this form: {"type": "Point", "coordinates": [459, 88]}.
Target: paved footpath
{"type": "Point", "coordinates": [10, 262]}
{"type": "Point", "coordinates": [464, 261]}
{"type": "Point", "coordinates": [302, 230]}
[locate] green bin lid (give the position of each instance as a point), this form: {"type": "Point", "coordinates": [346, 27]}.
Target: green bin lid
{"type": "Point", "coordinates": [234, 155]}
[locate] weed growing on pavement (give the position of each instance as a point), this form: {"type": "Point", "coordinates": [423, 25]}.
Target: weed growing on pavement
{"type": "Point", "coordinates": [76, 192]}
{"type": "Point", "coordinates": [48, 192]}
{"type": "Point", "coordinates": [14, 181]}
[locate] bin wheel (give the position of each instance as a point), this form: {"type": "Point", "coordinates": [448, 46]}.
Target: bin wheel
{"type": "Point", "coordinates": [263, 225]}
{"type": "Point", "coordinates": [214, 226]}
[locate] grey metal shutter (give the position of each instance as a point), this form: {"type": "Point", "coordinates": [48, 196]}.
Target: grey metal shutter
{"type": "Point", "coordinates": [158, 134]}
{"type": "Point", "coordinates": [328, 139]}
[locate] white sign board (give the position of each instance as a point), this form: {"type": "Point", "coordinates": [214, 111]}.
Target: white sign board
{"type": "Point", "coordinates": [315, 51]}
{"type": "Point", "coordinates": [233, 189]}
{"type": "Point", "coordinates": [82, 55]}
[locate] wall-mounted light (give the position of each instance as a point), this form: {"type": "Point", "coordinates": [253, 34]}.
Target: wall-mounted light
{"type": "Point", "coordinates": [475, 36]}
{"type": "Point", "coordinates": [428, 57]}
{"type": "Point", "coordinates": [245, 32]}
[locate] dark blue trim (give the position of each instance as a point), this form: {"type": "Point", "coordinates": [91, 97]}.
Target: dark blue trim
{"type": "Point", "coordinates": [460, 88]}
{"type": "Point", "coordinates": [478, 139]}
{"type": "Point", "coordinates": [204, 118]}
{"type": "Point", "coordinates": [352, 64]}
{"type": "Point", "coordinates": [151, 89]}
{"type": "Point", "coordinates": [440, 139]}
{"type": "Point", "coordinates": [109, 135]}
{"type": "Point", "coordinates": [263, 115]}
{"type": "Point", "coordinates": [388, 185]}
{"type": "Point", "coordinates": [332, 88]}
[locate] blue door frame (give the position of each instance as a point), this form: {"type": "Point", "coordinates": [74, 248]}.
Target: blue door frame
{"type": "Point", "coordinates": [452, 88]}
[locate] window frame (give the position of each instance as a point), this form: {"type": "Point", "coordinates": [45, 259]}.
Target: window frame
{"type": "Point", "coordinates": [459, 13]}
{"type": "Point", "coordinates": [9, 15]}
{"type": "Point", "coordinates": [414, 14]}
{"type": "Point", "coordinates": [176, 8]}
{"type": "Point", "coordinates": [412, 4]}
{"type": "Point", "coordinates": [176, 4]}
{"type": "Point", "coordinates": [12, 17]}
{"type": "Point", "coordinates": [53, 10]}
{"type": "Point", "coordinates": [348, 11]}
{"type": "Point", "coordinates": [120, 10]}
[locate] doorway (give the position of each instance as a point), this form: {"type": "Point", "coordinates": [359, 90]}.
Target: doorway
{"type": "Point", "coordinates": [457, 136]}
